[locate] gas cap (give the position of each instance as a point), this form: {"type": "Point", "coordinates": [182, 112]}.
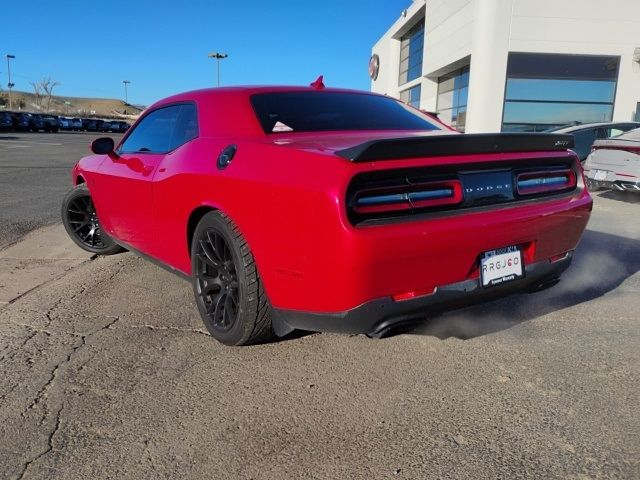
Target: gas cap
{"type": "Point", "coordinates": [225, 157]}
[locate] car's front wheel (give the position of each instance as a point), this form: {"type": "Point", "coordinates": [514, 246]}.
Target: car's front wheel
{"type": "Point", "coordinates": [228, 290]}
{"type": "Point", "coordinates": [81, 223]}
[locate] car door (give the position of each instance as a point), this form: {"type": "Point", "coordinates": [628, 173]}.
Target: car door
{"type": "Point", "coordinates": [173, 187]}
{"type": "Point", "coordinates": [124, 182]}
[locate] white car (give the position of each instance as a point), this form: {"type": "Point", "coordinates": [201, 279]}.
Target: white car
{"type": "Point", "coordinates": [614, 163]}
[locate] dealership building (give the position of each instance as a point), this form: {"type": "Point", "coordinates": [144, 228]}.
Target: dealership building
{"type": "Point", "coordinates": [514, 65]}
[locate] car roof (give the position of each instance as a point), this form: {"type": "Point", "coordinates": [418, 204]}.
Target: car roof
{"type": "Point", "coordinates": [236, 113]}
{"type": "Point", "coordinates": [247, 91]}
{"type": "Point", "coordinates": [586, 126]}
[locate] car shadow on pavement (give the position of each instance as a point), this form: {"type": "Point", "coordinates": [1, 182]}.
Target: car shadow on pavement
{"type": "Point", "coordinates": [627, 197]}
{"type": "Point", "coordinates": [601, 263]}
{"type": "Point", "coordinates": [9, 137]}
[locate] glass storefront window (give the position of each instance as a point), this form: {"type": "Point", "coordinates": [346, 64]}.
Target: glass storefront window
{"type": "Point", "coordinates": [411, 96]}
{"type": "Point", "coordinates": [453, 90]}
{"type": "Point", "coordinates": [550, 90]}
{"type": "Point", "coordinates": [411, 48]}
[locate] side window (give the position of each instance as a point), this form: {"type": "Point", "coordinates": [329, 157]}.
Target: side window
{"type": "Point", "coordinates": [186, 127]}
{"type": "Point", "coordinates": [614, 132]}
{"type": "Point", "coordinates": [154, 133]}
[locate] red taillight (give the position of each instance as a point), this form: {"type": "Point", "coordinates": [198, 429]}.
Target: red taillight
{"type": "Point", "coordinates": [408, 197]}
{"type": "Point", "coordinates": [400, 297]}
{"type": "Point", "coordinates": [531, 183]}
{"type": "Point", "coordinates": [557, 258]}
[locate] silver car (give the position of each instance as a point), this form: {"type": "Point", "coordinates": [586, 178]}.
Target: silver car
{"type": "Point", "coordinates": [614, 163]}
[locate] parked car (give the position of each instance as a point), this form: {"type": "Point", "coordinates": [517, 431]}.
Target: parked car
{"type": "Point", "coordinates": [76, 124]}
{"type": "Point", "coordinates": [6, 121]}
{"type": "Point", "coordinates": [20, 121]}
{"type": "Point", "coordinates": [51, 123]}
{"type": "Point", "coordinates": [328, 210]}
{"type": "Point", "coordinates": [614, 163]}
{"type": "Point", "coordinates": [65, 123]}
{"type": "Point", "coordinates": [119, 126]}
{"type": "Point", "coordinates": [36, 122]}
{"type": "Point", "coordinates": [89, 125]}
{"type": "Point", "coordinates": [106, 126]}
{"type": "Point", "coordinates": [585, 134]}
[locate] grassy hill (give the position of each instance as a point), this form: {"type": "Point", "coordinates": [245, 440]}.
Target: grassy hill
{"type": "Point", "coordinates": [73, 106]}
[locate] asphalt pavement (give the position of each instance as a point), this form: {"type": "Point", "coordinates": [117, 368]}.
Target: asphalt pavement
{"type": "Point", "coordinates": [35, 173]}
{"type": "Point", "coordinates": [106, 371]}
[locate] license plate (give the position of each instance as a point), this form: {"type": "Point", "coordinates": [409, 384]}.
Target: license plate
{"type": "Point", "coordinates": [501, 266]}
{"type": "Point", "coordinates": [600, 175]}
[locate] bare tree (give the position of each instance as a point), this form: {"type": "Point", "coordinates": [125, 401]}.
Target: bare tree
{"type": "Point", "coordinates": [38, 92]}
{"type": "Point", "coordinates": [48, 86]}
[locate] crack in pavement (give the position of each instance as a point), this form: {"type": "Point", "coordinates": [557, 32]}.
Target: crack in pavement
{"type": "Point", "coordinates": [42, 394]}
{"type": "Point", "coordinates": [52, 279]}
{"type": "Point", "coordinates": [49, 448]}
{"type": "Point", "coordinates": [169, 327]}
{"type": "Point", "coordinates": [54, 373]}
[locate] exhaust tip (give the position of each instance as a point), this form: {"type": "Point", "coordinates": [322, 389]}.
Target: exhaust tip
{"type": "Point", "coordinates": [544, 285]}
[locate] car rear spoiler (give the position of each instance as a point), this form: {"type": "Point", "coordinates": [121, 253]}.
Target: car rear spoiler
{"type": "Point", "coordinates": [454, 144]}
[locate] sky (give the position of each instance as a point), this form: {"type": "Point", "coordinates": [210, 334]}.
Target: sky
{"type": "Point", "coordinates": [161, 46]}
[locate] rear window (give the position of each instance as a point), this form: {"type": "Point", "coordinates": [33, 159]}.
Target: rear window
{"type": "Point", "coordinates": [283, 112]}
{"type": "Point", "coordinates": [631, 135]}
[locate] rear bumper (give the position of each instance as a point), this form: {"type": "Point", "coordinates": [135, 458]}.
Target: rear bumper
{"type": "Point", "coordinates": [620, 185]}
{"type": "Point", "coordinates": [378, 316]}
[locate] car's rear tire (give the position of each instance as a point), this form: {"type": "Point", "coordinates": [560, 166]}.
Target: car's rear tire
{"type": "Point", "coordinates": [227, 287]}
{"type": "Point", "coordinates": [81, 222]}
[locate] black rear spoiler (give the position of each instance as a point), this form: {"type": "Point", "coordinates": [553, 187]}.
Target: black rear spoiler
{"type": "Point", "coordinates": [455, 144]}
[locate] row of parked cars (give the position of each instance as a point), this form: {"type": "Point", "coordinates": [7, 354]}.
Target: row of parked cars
{"type": "Point", "coordinates": [36, 122]}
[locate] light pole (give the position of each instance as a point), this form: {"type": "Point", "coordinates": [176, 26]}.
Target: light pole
{"type": "Point", "coordinates": [218, 57]}
{"type": "Point", "coordinates": [126, 96]}
{"type": "Point", "coordinates": [10, 85]}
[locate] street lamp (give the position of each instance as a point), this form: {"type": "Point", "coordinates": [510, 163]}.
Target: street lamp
{"type": "Point", "coordinates": [10, 85]}
{"type": "Point", "coordinates": [126, 96]}
{"type": "Point", "coordinates": [218, 57]}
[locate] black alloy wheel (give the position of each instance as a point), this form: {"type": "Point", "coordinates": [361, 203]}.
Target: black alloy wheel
{"type": "Point", "coordinates": [217, 280]}
{"type": "Point", "coordinates": [81, 222]}
{"type": "Point", "coordinates": [228, 290]}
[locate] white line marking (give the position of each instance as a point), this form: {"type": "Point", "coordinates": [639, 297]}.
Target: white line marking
{"type": "Point", "coordinates": [10, 142]}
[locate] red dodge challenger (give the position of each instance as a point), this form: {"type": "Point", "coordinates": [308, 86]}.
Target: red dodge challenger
{"type": "Point", "coordinates": [328, 210]}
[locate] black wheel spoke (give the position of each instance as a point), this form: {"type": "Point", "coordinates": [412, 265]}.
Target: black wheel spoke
{"type": "Point", "coordinates": [218, 309]}
{"type": "Point", "coordinates": [83, 221]}
{"type": "Point", "coordinates": [80, 227]}
{"type": "Point", "coordinates": [209, 255]}
{"type": "Point", "coordinates": [217, 281]}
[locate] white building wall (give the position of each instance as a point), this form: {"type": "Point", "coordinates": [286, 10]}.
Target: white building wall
{"type": "Point", "coordinates": [447, 34]}
{"type": "Point", "coordinates": [491, 32]}
{"type": "Point", "coordinates": [588, 27]}
{"type": "Point", "coordinates": [483, 32]}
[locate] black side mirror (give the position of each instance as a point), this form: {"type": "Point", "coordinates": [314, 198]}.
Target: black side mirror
{"type": "Point", "coordinates": [102, 146]}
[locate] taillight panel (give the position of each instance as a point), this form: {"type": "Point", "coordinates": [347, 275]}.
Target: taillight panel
{"type": "Point", "coordinates": [546, 181]}
{"type": "Point", "coordinates": [408, 197]}
{"type": "Point", "coordinates": [376, 196]}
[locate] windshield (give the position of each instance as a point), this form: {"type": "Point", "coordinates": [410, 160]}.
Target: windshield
{"type": "Point", "coordinates": [324, 111]}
